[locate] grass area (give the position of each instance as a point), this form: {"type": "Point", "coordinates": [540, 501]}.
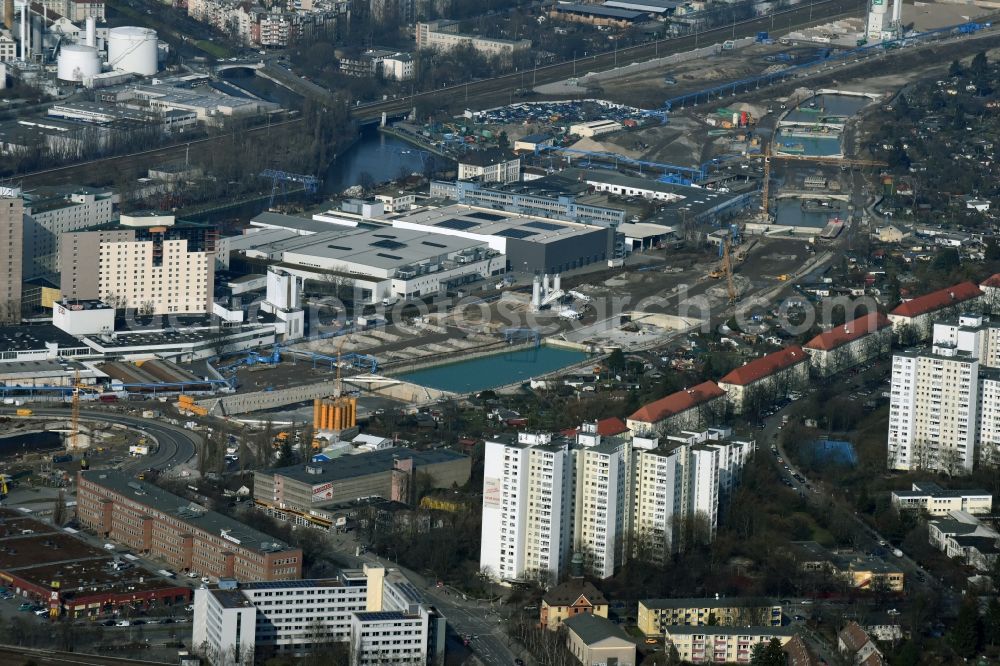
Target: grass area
{"type": "Point", "coordinates": [213, 49]}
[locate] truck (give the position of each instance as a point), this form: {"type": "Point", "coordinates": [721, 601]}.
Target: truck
{"type": "Point", "coordinates": [108, 397]}
{"type": "Point", "coordinates": [24, 412]}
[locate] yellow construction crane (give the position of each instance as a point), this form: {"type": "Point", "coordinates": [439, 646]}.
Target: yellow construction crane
{"type": "Point", "coordinates": [767, 156]}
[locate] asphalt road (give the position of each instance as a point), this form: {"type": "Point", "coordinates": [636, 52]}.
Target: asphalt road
{"type": "Point", "coordinates": [176, 445]}
{"type": "Point", "coordinates": [18, 656]}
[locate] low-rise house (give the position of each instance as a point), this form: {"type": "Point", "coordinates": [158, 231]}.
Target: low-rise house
{"type": "Point", "coordinates": [597, 641]}
{"type": "Point", "coordinates": [855, 644]}
{"type": "Point", "coordinates": [797, 653]}
{"type": "Point", "coordinates": [766, 379]}
{"type": "Point", "coordinates": [917, 315]}
{"type": "Point", "coordinates": [727, 645]}
{"type": "Point", "coordinates": [891, 234]}
{"type": "Point", "coordinates": [856, 570]}
{"type": "Point", "coordinates": [961, 535]}
{"type": "Point", "coordinates": [937, 501]}
{"type": "Point", "coordinates": [991, 293]}
{"type": "Point", "coordinates": [655, 615]}
{"type": "Point", "coordinates": [852, 344]}
{"type": "Point", "coordinates": [689, 409]}
{"type": "Point", "coordinates": [570, 599]}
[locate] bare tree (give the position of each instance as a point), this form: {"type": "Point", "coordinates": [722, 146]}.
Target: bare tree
{"type": "Point", "coordinates": [59, 509]}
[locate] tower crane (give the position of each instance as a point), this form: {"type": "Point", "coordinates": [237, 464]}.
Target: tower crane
{"type": "Point", "coordinates": [768, 157]}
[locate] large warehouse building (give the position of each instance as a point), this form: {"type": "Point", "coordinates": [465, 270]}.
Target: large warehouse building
{"type": "Point", "coordinates": [383, 263]}
{"type": "Point", "coordinates": [302, 492]}
{"type": "Point", "coordinates": [531, 245]}
{"type": "Point", "coordinates": [187, 536]}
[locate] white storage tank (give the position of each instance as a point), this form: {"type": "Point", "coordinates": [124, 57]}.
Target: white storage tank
{"type": "Point", "coordinates": [133, 50]}
{"type": "Point", "coordinates": [77, 62]}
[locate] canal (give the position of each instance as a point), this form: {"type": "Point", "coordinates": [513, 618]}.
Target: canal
{"type": "Point", "coordinates": [489, 372]}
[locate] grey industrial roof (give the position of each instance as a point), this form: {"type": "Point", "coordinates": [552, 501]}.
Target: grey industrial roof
{"type": "Point", "coordinates": [707, 602]}
{"type": "Point", "coordinates": [30, 338]}
{"type": "Point", "coordinates": [295, 222]}
{"type": "Point", "coordinates": [599, 10]}
{"type": "Point", "coordinates": [925, 488]}
{"type": "Point", "coordinates": [363, 464]}
{"type": "Point", "coordinates": [729, 631]}
{"type": "Point", "coordinates": [644, 5]}
{"type": "Point", "coordinates": [592, 628]}
{"type": "Point", "coordinates": [498, 223]}
{"type": "Point", "coordinates": [385, 248]}
{"type": "Point", "coordinates": [157, 498]}
{"type": "Point", "coordinates": [258, 238]}
{"type": "Point", "coordinates": [230, 598]}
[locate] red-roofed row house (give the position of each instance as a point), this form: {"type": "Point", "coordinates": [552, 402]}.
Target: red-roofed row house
{"type": "Point", "coordinates": [919, 314]}
{"type": "Point", "coordinates": [766, 378]}
{"type": "Point", "coordinates": [690, 409]}
{"type": "Point", "coordinates": [851, 344]}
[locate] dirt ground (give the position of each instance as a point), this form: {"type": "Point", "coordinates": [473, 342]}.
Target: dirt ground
{"type": "Point", "coordinates": [685, 140]}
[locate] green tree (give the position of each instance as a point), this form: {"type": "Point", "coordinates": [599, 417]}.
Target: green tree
{"type": "Point", "coordinates": [979, 67]}
{"type": "Point", "coordinates": [991, 625]}
{"type": "Point", "coordinates": [964, 638]}
{"type": "Point", "coordinates": [947, 260]}
{"type": "Point", "coordinates": [616, 360]}
{"type": "Point", "coordinates": [955, 69]}
{"type": "Point", "coordinates": [992, 252]}
{"type": "Point", "coordinates": [768, 654]}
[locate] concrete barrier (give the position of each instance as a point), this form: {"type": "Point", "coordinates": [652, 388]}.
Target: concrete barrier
{"type": "Point", "coordinates": [243, 403]}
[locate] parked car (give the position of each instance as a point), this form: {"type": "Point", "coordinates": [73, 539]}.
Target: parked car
{"type": "Point", "coordinates": [25, 607]}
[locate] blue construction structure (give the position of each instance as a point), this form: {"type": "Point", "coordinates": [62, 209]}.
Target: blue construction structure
{"type": "Point", "coordinates": [743, 85]}
{"type": "Point", "coordinates": [357, 360]}
{"type": "Point", "coordinates": [514, 335]}
{"type": "Point", "coordinates": [282, 178]}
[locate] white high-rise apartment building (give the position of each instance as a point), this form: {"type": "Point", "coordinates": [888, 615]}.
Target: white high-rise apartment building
{"type": "Point", "coordinates": [527, 507]}
{"type": "Point", "coordinates": [945, 403]}
{"type": "Point", "coordinates": [934, 401]}
{"type": "Point", "coordinates": [600, 516]}
{"type": "Point", "coordinates": [546, 499]}
{"type": "Point", "coordinates": [685, 478]}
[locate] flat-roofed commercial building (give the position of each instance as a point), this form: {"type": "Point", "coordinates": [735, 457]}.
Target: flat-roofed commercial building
{"type": "Point", "coordinates": [937, 501]}
{"type": "Point", "coordinates": [293, 493]}
{"type": "Point", "coordinates": [187, 536]}
{"type": "Point", "coordinates": [371, 610]}
{"type": "Point", "coordinates": [529, 245]}
{"type": "Point", "coordinates": [383, 263]}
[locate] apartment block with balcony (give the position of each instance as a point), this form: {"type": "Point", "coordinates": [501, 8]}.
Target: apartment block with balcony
{"type": "Point", "coordinates": [444, 36]}
{"type": "Point", "coordinates": [657, 615]}
{"type": "Point", "coordinates": [722, 645]}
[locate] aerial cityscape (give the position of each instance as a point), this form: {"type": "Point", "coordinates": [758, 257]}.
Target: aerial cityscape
{"type": "Point", "coordinates": [499, 333]}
